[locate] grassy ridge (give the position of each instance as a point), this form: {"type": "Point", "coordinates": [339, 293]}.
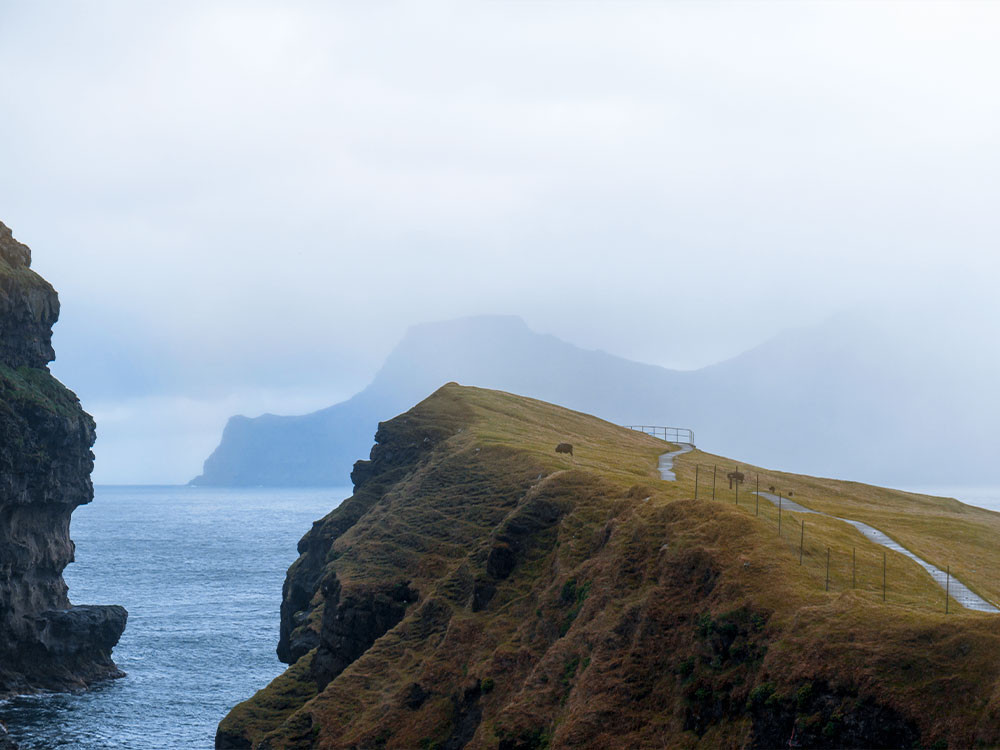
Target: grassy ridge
{"type": "Point", "coordinates": [582, 602]}
{"type": "Point", "coordinates": [943, 531]}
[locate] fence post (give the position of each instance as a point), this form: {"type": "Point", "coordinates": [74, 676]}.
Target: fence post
{"type": "Point", "coordinates": [714, 467]}
{"type": "Point", "coordinates": [802, 539]}
{"type": "Point", "coordinates": [696, 467]}
{"type": "Point", "coordinates": [757, 509]}
{"type": "Point", "coordinates": [827, 568]}
{"type": "Point", "coordinates": [779, 515]}
{"type": "Point", "coordinates": [737, 483]}
{"type": "Point", "coordinates": [947, 590]}
{"type": "Point", "coordinates": [883, 575]}
{"type": "Point", "coordinates": [854, 566]}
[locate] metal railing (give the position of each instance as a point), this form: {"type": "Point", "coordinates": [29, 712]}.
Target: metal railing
{"type": "Point", "coordinates": [669, 434]}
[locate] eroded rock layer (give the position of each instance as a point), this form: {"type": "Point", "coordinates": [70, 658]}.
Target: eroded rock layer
{"type": "Point", "coordinates": [45, 465]}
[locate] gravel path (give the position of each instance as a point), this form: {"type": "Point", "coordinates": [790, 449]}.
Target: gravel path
{"type": "Point", "coordinates": [959, 591]}
{"type": "Point", "coordinates": [666, 465]}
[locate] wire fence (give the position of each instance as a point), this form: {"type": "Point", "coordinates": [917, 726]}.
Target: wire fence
{"type": "Point", "coordinates": [840, 568]}
{"type": "Point", "coordinates": [669, 434]}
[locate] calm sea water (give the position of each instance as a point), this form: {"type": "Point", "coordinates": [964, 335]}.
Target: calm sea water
{"type": "Point", "coordinates": [200, 572]}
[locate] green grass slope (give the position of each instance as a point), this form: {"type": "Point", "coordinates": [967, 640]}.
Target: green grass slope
{"type": "Point", "coordinates": [481, 591]}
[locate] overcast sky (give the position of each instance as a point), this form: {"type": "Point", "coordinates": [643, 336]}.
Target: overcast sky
{"type": "Point", "coordinates": [244, 204]}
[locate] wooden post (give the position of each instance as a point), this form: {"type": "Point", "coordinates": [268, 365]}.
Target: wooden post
{"type": "Point", "coordinates": [827, 568]}
{"type": "Point", "coordinates": [883, 575]}
{"type": "Point", "coordinates": [854, 566]}
{"type": "Point", "coordinates": [947, 590]}
{"type": "Point", "coordinates": [736, 481]}
{"type": "Point", "coordinates": [714, 467]}
{"type": "Point", "coordinates": [802, 539]}
{"type": "Point", "coordinates": [779, 515]}
{"type": "Point", "coordinates": [757, 509]}
{"type": "Point", "coordinates": [696, 467]}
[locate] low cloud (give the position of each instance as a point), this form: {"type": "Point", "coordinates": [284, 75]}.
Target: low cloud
{"type": "Point", "coordinates": [260, 197]}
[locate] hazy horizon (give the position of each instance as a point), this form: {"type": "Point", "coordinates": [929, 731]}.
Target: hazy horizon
{"type": "Point", "coordinates": [245, 205]}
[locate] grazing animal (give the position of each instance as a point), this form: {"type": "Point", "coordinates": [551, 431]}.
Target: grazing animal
{"type": "Point", "coordinates": [565, 448]}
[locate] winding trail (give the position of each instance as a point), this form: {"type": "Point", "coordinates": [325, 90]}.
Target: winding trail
{"type": "Point", "coordinates": [959, 591]}
{"type": "Point", "coordinates": [666, 465]}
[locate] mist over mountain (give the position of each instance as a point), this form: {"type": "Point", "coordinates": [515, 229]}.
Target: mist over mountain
{"type": "Point", "coordinates": [846, 398]}
{"type": "Point", "coordinates": [494, 351]}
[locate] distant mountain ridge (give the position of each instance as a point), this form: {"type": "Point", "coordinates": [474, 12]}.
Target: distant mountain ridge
{"type": "Point", "coordinates": [501, 352]}
{"type": "Point", "coordinates": [843, 398]}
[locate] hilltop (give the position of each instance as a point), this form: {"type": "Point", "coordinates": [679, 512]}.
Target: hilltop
{"type": "Point", "coordinates": [490, 351]}
{"type": "Point", "coordinates": [814, 399]}
{"type": "Point", "coordinates": [480, 590]}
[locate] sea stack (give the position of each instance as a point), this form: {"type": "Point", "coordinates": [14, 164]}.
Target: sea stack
{"type": "Point", "coordinates": [46, 643]}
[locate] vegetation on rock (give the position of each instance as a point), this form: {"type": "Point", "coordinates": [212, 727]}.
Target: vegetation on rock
{"type": "Point", "coordinates": [481, 591]}
{"type": "Point", "coordinates": [45, 465]}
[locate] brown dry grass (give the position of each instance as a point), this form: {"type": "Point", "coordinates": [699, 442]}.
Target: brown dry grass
{"type": "Point", "coordinates": [943, 531]}
{"type": "Point", "coordinates": [641, 617]}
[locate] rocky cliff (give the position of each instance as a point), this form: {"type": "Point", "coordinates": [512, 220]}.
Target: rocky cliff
{"type": "Point", "coordinates": [45, 464]}
{"type": "Point", "coordinates": [479, 590]}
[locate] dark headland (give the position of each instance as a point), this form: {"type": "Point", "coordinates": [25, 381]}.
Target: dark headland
{"type": "Point", "coordinates": [45, 465]}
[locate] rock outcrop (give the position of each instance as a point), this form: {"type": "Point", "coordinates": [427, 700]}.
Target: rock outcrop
{"type": "Point", "coordinates": [45, 465]}
{"type": "Point", "coordinates": [480, 591]}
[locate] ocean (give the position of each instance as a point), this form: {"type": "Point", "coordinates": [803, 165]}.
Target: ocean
{"type": "Point", "coordinates": [200, 573]}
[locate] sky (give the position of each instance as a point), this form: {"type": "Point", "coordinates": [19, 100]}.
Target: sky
{"type": "Point", "coordinates": [245, 204]}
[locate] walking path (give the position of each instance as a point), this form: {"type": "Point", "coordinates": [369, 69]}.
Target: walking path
{"type": "Point", "coordinates": [959, 591]}
{"type": "Point", "coordinates": [666, 465]}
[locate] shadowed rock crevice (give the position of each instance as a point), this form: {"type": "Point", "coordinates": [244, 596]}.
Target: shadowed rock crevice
{"type": "Point", "coordinates": [817, 715]}
{"type": "Point", "coordinates": [353, 621]}
{"type": "Point", "coordinates": [540, 511]}
{"type": "Point", "coordinates": [400, 446]}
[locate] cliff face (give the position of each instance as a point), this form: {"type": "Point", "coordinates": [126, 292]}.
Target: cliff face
{"type": "Point", "coordinates": [480, 591]}
{"type": "Point", "coordinates": [45, 465]}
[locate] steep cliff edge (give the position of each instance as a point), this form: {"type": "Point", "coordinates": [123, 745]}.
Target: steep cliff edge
{"type": "Point", "coordinates": [45, 465]}
{"type": "Point", "coordinates": [480, 591]}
